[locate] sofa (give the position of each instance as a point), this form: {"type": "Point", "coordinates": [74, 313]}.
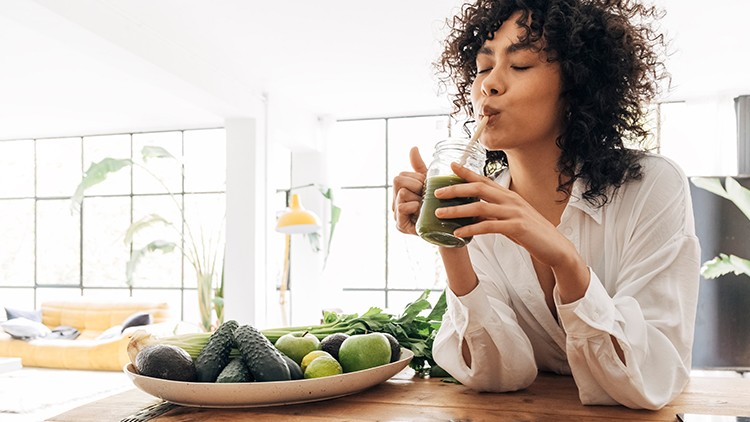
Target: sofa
{"type": "Point", "coordinates": [99, 341]}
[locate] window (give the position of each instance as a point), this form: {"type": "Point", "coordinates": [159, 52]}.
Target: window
{"type": "Point", "coordinates": [51, 252]}
{"type": "Point", "coordinates": [389, 269]}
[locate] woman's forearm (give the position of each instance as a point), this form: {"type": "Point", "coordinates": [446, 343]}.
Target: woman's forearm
{"type": "Point", "coordinates": [461, 276]}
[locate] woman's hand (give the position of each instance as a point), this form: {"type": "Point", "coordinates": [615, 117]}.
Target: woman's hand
{"type": "Point", "coordinates": [407, 193]}
{"type": "Point", "coordinates": [501, 210]}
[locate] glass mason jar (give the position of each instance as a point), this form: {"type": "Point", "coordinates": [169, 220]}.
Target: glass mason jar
{"type": "Point", "coordinates": [439, 174]}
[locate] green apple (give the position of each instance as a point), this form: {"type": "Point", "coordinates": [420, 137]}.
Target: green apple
{"type": "Point", "coordinates": [297, 344]}
{"type": "Point", "coordinates": [363, 351]}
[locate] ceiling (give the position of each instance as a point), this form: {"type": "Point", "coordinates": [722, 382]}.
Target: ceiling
{"type": "Point", "coordinates": [72, 67]}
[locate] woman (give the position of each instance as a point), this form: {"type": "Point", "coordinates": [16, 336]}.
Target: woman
{"type": "Point", "coordinates": [584, 259]}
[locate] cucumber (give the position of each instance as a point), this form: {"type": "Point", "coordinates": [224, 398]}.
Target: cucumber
{"type": "Point", "coordinates": [263, 360]}
{"type": "Point", "coordinates": [295, 372]}
{"type": "Point", "coordinates": [215, 354]}
{"type": "Point", "coordinates": [235, 371]}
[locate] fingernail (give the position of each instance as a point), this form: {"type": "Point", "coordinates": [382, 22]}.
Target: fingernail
{"type": "Point", "coordinates": [438, 191]}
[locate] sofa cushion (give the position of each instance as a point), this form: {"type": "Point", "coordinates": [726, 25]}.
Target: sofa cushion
{"type": "Point", "coordinates": [110, 332]}
{"type": "Point", "coordinates": [136, 319]}
{"type": "Point", "coordinates": [64, 332]}
{"type": "Point", "coordinates": [25, 329]}
{"type": "Point", "coordinates": [12, 313]}
{"type": "Point", "coordinates": [93, 316]}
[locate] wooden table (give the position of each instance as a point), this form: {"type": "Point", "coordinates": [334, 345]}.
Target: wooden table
{"type": "Point", "coordinates": [406, 398]}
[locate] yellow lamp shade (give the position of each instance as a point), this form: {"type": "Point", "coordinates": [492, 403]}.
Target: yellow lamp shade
{"type": "Point", "coordinates": [297, 220]}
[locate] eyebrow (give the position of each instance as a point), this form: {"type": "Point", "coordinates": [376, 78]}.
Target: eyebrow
{"type": "Point", "coordinates": [512, 48]}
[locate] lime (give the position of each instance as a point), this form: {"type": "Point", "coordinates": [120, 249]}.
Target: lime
{"type": "Point", "coordinates": [310, 356]}
{"type": "Point", "coordinates": [323, 366]}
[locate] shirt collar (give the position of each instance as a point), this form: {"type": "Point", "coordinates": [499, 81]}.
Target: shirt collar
{"type": "Point", "coordinates": [576, 197]}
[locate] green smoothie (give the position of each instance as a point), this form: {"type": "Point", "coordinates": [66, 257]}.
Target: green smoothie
{"type": "Point", "coordinates": [436, 230]}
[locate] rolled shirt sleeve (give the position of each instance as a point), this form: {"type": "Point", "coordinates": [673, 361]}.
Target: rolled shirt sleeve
{"type": "Point", "coordinates": [502, 358]}
{"type": "Point", "coordinates": [651, 316]}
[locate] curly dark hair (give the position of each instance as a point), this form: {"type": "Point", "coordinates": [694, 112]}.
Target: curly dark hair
{"type": "Point", "coordinates": [610, 61]}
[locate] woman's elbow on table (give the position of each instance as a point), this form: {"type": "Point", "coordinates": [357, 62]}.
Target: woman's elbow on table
{"type": "Point", "coordinates": [502, 382]}
{"type": "Point", "coordinates": [488, 376]}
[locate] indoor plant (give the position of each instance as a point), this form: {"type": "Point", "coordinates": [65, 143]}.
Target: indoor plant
{"type": "Point", "coordinates": [740, 196]}
{"type": "Point", "coordinates": [205, 253]}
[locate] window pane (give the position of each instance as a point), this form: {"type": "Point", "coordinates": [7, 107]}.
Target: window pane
{"type": "Point", "coordinates": [58, 243]}
{"type": "Point", "coordinates": [105, 254]}
{"type": "Point", "coordinates": [205, 160]}
{"type": "Point", "coordinates": [356, 154]}
{"type": "Point", "coordinates": [17, 247]}
{"type": "Point", "coordinates": [58, 166]}
{"type": "Point", "coordinates": [95, 149]}
{"type": "Point", "coordinates": [204, 215]}
{"type": "Point", "coordinates": [17, 164]}
{"type": "Point", "coordinates": [190, 308]}
{"type": "Point", "coordinates": [18, 299]}
{"type": "Point", "coordinates": [157, 268]}
{"type": "Point", "coordinates": [168, 170]}
{"type": "Point", "coordinates": [412, 262]}
{"type": "Point", "coordinates": [46, 294]}
{"type": "Point", "coordinates": [362, 223]}
{"type": "Point", "coordinates": [405, 133]}
{"type": "Point", "coordinates": [107, 294]}
{"type": "Point", "coordinates": [360, 301]}
{"type": "Point", "coordinates": [674, 133]}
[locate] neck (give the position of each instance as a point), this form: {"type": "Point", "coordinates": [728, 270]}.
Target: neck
{"type": "Point", "coordinates": [535, 178]}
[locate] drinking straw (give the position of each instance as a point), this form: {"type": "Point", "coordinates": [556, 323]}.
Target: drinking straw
{"type": "Point", "coordinates": [474, 138]}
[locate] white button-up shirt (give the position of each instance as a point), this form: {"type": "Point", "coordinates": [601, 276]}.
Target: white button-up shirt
{"type": "Point", "coordinates": [644, 261]}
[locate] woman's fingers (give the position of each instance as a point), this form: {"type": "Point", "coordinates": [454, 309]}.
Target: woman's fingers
{"type": "Point", "coordinates": [467, 174]}
{"type": "Point", "coordinates": [407, 197]}
{"type": "Point", "coordinates": [417, 163]}
{"type": "Point", "coordinates": [476, 186]}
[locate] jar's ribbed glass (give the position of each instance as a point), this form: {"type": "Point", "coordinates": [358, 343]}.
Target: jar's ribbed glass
{"type": "Point", "coordinates": [439, 174]}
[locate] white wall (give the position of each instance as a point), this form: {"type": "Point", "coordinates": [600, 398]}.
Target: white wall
{"type": "Point", "coordinates": [700, 134]}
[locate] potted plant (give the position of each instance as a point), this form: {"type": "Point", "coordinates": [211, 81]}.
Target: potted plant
{"type": "Point", "coordinates": [205, 253]}
{"type": "Point", "coordinates": [740, 196]}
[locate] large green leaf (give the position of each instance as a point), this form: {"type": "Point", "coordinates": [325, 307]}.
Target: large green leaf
{"type": "Point", "coordinates": [725, 264]}
{"type": "Point", "coordinates": [142, 223]}
{"type": "Point", "coordinates": [734, 192]}
{"type": "Point", "coordinates": [96, 174]}
{"type": "Point", "coordinates": [151, 151]}
{"type": "Point", "coordinates": [335, 216]}
{"type": "Point", "coordinates": [739, 195]}
{"type": "Point", "coordinates": [137, 254]}
{"type": "Point", "coordinates": [711, 184]}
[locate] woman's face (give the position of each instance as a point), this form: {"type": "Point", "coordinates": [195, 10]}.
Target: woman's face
{"type": "Point", "coordinates": [519, 91]}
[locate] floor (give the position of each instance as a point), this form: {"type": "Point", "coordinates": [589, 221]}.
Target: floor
{"type": "Point", "coordinates": [9, 364]}
{"type": "Point", "coordinates": [36, 394]}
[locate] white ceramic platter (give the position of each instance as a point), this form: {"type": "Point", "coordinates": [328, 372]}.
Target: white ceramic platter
{"type": "Point", "coordinates": [257, 394]}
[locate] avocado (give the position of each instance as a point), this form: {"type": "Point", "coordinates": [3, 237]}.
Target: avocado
{"type": "Point", "coordinates": [264, 361]}
{"type": "Point", "coordinates": [295, 372]}
{"type": "Point", "coordinates": [235, 371]}
{"type": "Point", "coordinates": [332, 343]}
{"type": "Point", "coordinates": [215, 354]}
{"type": "Point", "coordinates": [395, 347]}
{"type": "Point", "coordinates": [165, 361]}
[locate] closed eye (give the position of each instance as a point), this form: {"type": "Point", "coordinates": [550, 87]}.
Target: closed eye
{"type": "Point", "coordinates": [479, 72]}
{"type": "Point", "coordinates": [520, 68]}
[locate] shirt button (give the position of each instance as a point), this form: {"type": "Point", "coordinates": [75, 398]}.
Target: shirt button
{"type": "Point", "coordinates": [567, 231]}
{"type": "Point", "coordinates": [595, 315]}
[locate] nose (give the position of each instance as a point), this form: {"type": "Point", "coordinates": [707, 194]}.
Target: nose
{"type": "Point", "coordinates": [492, 84]}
